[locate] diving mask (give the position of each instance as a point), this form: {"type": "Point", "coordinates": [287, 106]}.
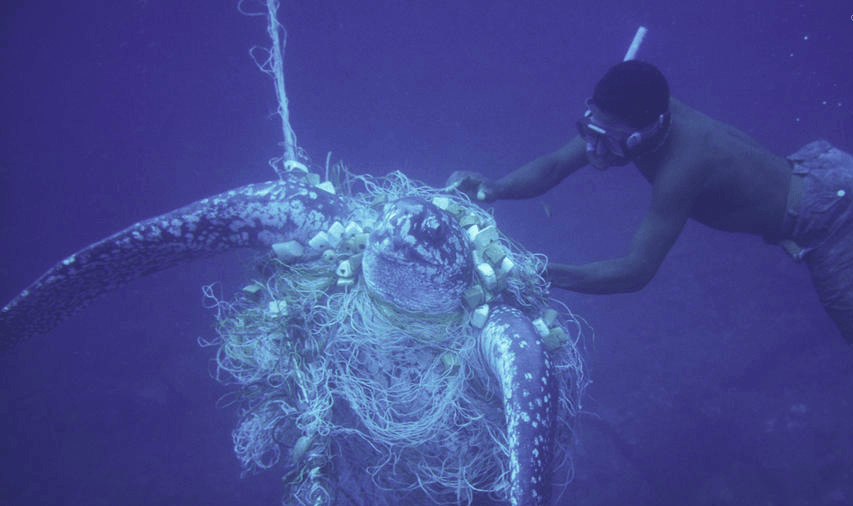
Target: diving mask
{"type": "Point", "coordinates": [612, 143]}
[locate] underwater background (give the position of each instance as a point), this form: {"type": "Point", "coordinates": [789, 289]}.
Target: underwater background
{"type": "Point", "coordinates": [722, 382]}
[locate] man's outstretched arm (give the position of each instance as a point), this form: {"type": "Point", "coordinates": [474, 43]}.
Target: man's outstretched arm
{"type": "Point", "coordinates": [535, 178]}
{"type": "Point", "coordinates": [669, 210]}
{"type": "Point", "coordinates": [530, 180]}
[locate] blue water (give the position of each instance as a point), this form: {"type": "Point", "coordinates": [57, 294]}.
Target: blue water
{"type": "Point", "coordinates": [722, 382]}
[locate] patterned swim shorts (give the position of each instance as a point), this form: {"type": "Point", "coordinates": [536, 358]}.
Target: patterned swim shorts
{"type": "Point", "coordinates": [819, 219]}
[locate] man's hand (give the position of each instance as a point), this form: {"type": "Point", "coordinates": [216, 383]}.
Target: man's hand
{"type": "Point", "coordinates": [477, 186]}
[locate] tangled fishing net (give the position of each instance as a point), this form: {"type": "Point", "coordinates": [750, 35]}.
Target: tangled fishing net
{"type": "Point", "coordinates": [326, 376]}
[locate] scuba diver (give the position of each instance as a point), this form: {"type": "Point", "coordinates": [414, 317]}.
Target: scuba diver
{"type": "Point", "coordinates": [699, 168]}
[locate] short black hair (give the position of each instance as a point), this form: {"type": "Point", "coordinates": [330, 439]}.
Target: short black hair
{"type": "Point", "coordinates": [633, 90]}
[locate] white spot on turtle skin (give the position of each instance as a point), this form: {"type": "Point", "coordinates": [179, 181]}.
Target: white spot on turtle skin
{"type": "Point", "coordinates": [236, 225]}
{"type": "Point", "coordinates": [260, 193]}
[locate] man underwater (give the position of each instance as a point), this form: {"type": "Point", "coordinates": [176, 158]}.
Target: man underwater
{"type": "Point", "coordinates": [699, 168]}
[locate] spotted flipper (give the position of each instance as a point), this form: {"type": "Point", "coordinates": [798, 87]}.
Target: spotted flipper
{"type": "Point", "coordinates": [516, 357]}
{"type": "Point", "coordinates": [253, 216]}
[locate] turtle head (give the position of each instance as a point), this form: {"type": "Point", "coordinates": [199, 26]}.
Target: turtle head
{"type": "Point", "coordinates": [418, 257]}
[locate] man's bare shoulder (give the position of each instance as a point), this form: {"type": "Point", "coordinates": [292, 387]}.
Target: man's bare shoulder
{"type": "Point", "coordinates": [716, 143]}
{"type": "Point", "coordinates": [688, 152]}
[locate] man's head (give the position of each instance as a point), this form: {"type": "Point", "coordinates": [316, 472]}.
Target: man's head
{"type": "Point", "coordinates": [627, 115]}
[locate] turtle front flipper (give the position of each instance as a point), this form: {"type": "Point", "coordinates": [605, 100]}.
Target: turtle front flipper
{"type": "Point", "coordinates": [519, 361]}
{"type": "Point", "coordinates": [252, 216]}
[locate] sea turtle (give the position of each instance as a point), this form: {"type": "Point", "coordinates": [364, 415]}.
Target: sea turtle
{"type": "Point", "coordinates": [395, 323]}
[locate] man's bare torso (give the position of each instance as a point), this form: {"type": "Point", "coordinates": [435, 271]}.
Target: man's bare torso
{"type": "Point", "coordinates": [736, 184]}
